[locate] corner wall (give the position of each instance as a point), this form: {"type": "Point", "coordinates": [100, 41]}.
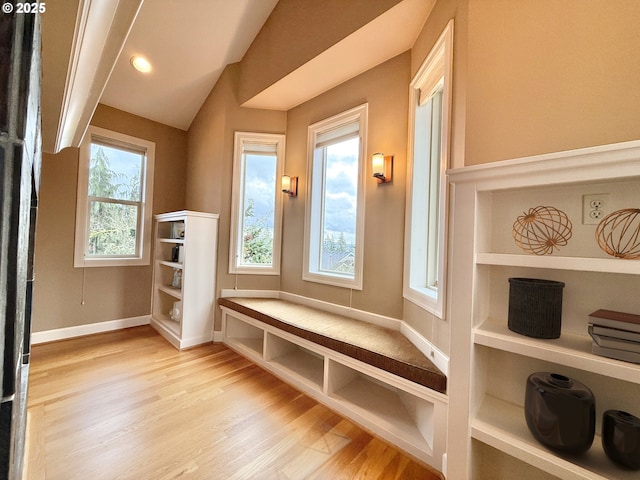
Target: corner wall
{"type": "Point", "coordinates": [385, 89]}
{"type": "Point", "coordinates": [210, 169]}
{"type": "Point", "coordinates": [296, 32]}
{"type": "Point", "coordinates": [109, 293]}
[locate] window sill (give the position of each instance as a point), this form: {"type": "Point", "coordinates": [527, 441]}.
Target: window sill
{"type": "Point", "coordinates": [254, 271]}
{"type": "Point", "coordinates": [335, 280]}
{"type": "Point", "coordinates": [426, 299]}
{"type": "Point", "coordinates": [112, 262]}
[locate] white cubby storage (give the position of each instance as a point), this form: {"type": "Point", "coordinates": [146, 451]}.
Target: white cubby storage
{"type": "Point", "coordinates": [246, 338]}
{"type": "Point", "coordinates": [491, 363]}
{"type": "Point", "coordinates": [295, 361]}
{"type": "Point", "coordinates": [405, 417]}
{"type": "Point", "coordinates": [196, 235]}
{"type": "Point", "coordinates": [408, 415]}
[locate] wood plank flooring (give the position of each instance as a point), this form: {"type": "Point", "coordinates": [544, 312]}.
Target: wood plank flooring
{"type": "Point", "coordinates": [127, 405]}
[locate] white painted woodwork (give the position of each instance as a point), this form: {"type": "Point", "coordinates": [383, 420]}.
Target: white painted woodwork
{"type": "Point", "coordinates": [406, 414]}
{"type": "Point", "coordinates": [489, 366]}
{"type": "Point", "coordinates": [197, 292]}
{"type": "Point", "coordinates": [101, 30]}
{"type": "Point", "coordinates": [438, 358]}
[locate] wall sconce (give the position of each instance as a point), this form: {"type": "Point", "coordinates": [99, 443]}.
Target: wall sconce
{"type": "Point", "coordinates": [382, 167]}
{"type": "Point", "coordinates": [290, 185]}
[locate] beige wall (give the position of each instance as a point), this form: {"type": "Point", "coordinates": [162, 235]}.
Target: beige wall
{"type": "Point", "coordinates": [545, 76]}
{"type": "Point", "coordinates": [210, 168]}
{"type": "Point", "coordinates": [529, 77]}
{"type": "Point", "coordinates": [211, 164]}
{"type": "Point", "coordinates": [109, 293]}
{"type": "Point", "coordinates": [385, 89]}
{"type": "Point", "coordinates": [297, 31]}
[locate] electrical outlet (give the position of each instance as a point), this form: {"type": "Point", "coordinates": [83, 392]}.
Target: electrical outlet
{"type": "Point", "coordinates": [594, 207]}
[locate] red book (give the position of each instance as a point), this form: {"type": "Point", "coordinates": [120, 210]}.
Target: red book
{"type": "Point", "coordinates": [619, 320]}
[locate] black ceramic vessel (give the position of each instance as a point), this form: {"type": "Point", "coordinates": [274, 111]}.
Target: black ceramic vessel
{"type": "Point", "coordinates": [621, 438]}
{"type": "Point", "coordinates": [560, 412]}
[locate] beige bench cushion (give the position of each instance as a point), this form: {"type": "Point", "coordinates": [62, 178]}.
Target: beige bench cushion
{"type": "Point", "coordinates": [381, 347]}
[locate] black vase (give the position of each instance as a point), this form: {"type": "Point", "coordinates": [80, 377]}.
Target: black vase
{"type": "Point", "coordinates": [621, 438]}
{"type": "Point", "coordinates": [535, 307]}
{"type": "Point", "coordinates": [560, 412]}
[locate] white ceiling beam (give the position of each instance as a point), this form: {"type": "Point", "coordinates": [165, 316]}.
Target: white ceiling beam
{"type": "Point", "coordinates": [102, 27]}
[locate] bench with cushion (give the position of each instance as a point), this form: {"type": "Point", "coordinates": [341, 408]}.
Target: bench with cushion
{"type": "Point", "coordinates": [378, 346]}
{"type": "Point", "coordinates": [373, 375]}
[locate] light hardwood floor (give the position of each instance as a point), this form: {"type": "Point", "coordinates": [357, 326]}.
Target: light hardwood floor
{"type": "Point", "coordinates": [127, 405]}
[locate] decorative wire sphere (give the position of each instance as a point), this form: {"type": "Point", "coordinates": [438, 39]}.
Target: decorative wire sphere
{"type": "Point", "coordinates": [541, 230]}
{"type": "Point", "coordinates": [618, 234]}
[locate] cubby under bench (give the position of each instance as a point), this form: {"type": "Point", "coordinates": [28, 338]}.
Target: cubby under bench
{"type": "Point", "coordinates": [371, 374]}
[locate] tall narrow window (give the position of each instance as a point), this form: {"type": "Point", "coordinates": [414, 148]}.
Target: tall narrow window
{"type": "Point", "coordinates": [256, 204]}
{"type": "Point", "coordinates": [425, 235]}
{"type": "Point", "coordinates": [115, 185]}
{"type": "Point", "coordinates": [335, 207]}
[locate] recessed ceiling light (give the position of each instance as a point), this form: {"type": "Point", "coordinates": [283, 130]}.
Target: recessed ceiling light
{"type": "Point", "coordinates": [141, 64]}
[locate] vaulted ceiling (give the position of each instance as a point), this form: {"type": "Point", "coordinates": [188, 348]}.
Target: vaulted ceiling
{"type": "Point", "coordinates": [87, 47]}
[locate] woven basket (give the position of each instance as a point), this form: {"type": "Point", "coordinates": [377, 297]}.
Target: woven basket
{"type": "Point", "coordinates": [535, 307]}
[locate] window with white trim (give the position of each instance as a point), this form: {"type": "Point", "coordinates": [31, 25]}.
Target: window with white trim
{"type": "Point", "coordinates": [334, 222]}
{"type": "Point", "coordinates": [428, 159]}
{"type": "Point", "coordinates": [256, 207]}
{"type": "Point", "coordinates": [114, 200]}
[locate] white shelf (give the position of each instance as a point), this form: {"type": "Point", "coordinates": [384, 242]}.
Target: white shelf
{"type": "Point", "coordinates": [306, 366]}
{"type": "Point", "coordinates": [502, 425]}
{"type": "Point", "coordinates": [197, 291]}
{"type": "Point", "coordinates": [174, 292]}
{"type": "Point", "coordinates": [169, 324]}
{"type": "Point", "coordinates": [250, 346]}
{"type": "Point", "coordinates": [489, 377]}
{"type": "Point", "coordinates": [169, 329]}
{"type": "Point", "coordinates": [382, 405]}
{"type": "Point", "coordinates": [571, 350]}
{"type": "Point", "coordinates": [244, 337]}
{"type": "Point", "coordinates": [580, 264]}
{"type": "Point", "coordinates": [176, 241]}
{"type": "Point", "coordinates": [171, 264]}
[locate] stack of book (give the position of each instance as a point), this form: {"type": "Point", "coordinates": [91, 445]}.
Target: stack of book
{"type": "Point", "coordinates": [615, 335]}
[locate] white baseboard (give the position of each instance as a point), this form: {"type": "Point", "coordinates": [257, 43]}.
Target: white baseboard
{"type": "Point", "coordinates": [430, 351]}
{"type": "Point", "coordinates": [232, 292]}
{"type": "Point", "coordinates": [82, 330]}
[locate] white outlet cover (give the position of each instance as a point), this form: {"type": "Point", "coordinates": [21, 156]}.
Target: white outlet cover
{"type": "Point", "coordinates": [592, 214]}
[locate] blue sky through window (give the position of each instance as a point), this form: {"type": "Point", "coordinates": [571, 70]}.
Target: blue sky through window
{"type": "Point", "coordinates": [341, 190]}
{"type": "Point", "coordinates": [260, 184]}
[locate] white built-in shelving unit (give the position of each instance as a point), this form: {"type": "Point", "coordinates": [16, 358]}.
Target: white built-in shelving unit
{"type": "Point", "coordinates": [186, 282]}
{"type": "Point", "coordinates": [406, 414]}
{"type": "Point", "coordinates": [489, 364]}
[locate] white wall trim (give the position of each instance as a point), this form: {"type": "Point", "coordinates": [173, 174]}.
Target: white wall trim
{"type": "Point", "coordinates": [374, 318]}
{"type": "Point", "coordinates": [101, 30]}
{"type": "Point", "coordinates": [231, 292]}
{"type": "Point", "coordinates": [438, 358]}
{"type": "Point", "coordinates": [603, 162]}
{"type": "Point", "coordinates": [89, 329]}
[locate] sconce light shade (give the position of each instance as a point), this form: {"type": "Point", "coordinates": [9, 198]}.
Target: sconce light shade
{"type": "Point", "coordinates": [382, 167]}
{"type": "Point", "coordinates": [290, 185]}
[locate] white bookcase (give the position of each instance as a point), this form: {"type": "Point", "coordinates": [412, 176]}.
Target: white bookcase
{"type": "Point", "coordinates": [186, 282]}
{"type": "Point", "coordinates": [488, 436]}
